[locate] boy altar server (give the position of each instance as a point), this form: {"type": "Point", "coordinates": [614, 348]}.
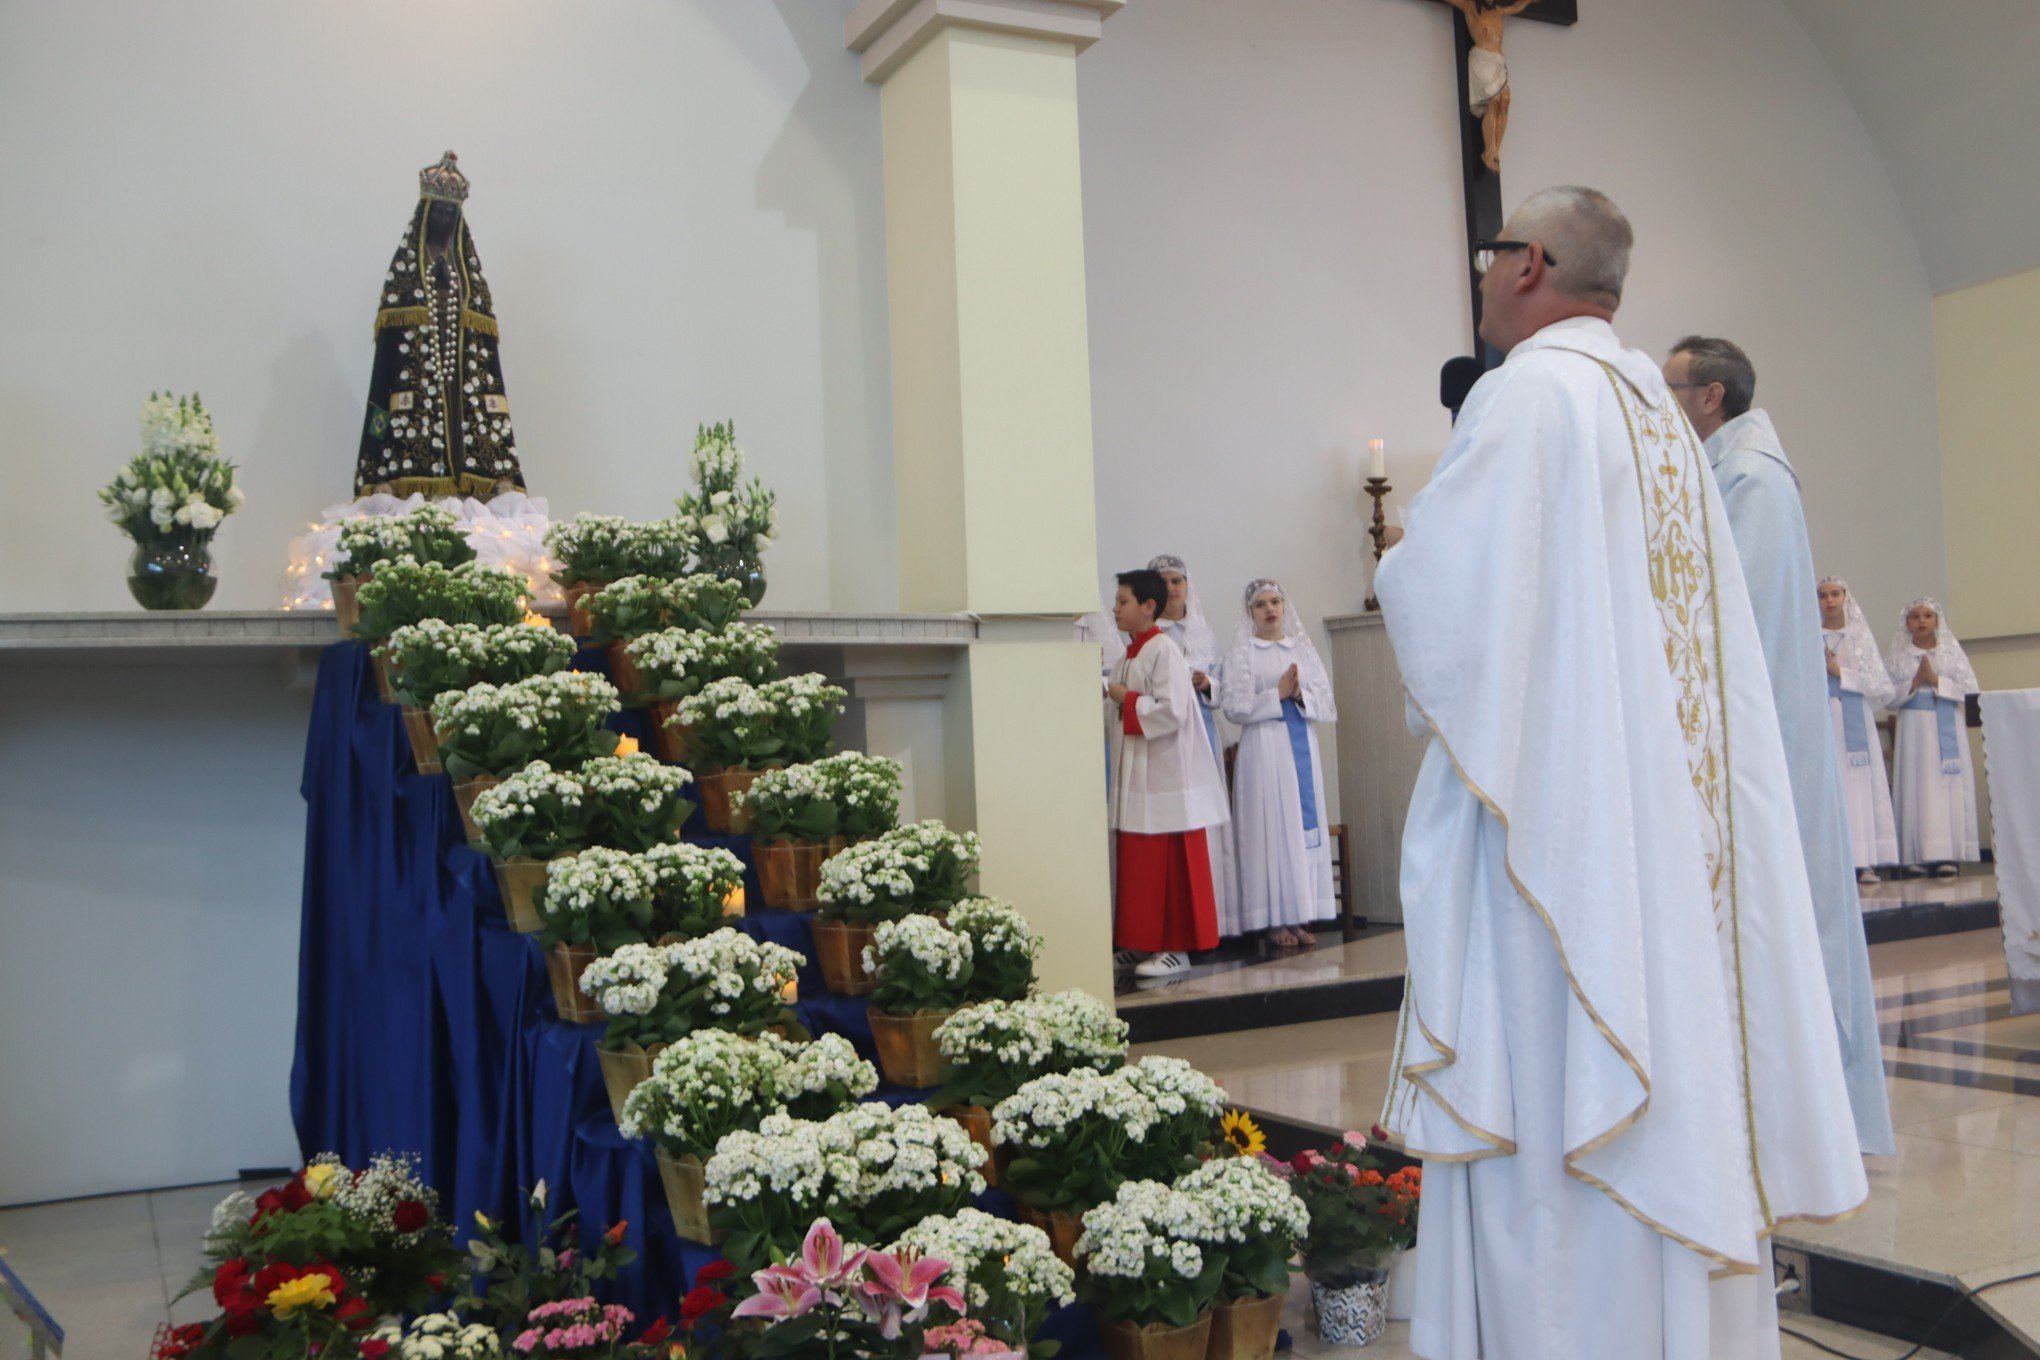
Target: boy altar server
{"type": "Point", "coordinates": [1165, 790]}
{"type": "Point", "coordinates": [1617, 1055]}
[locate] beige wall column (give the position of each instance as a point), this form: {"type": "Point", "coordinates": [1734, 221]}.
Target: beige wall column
{"type": "Point", "coordinates": [992, 426]}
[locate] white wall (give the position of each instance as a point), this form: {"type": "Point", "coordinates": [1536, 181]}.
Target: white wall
{"type": "Point", "coordinates": [678, 206]}
{"type": "Point", "coordinates": [1272, 202]}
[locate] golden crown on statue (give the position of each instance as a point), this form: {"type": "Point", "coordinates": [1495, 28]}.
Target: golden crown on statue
{"type": "Point", "coordinates": [444, 180]}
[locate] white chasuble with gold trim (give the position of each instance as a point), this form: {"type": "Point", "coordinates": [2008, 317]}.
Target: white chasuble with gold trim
{"type": "Point", "coordinates": [1617, 1054]}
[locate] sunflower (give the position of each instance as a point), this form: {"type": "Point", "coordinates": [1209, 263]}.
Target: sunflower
{"type": "Point", "coordinates": [1241, 1133]}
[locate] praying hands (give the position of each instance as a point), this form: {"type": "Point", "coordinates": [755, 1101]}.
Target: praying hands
{"type": "Point", "coordinates": [1290, 685]}
{"type": "Point", "coordinates": [1924, 677]}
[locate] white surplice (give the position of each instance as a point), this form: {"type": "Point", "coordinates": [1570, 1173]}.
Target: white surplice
{"type": "Point", "coordinates": [1873, 831]}
{"type": "Point", "coordinates": [1760, 495]}
{"type": "Point", "coordinates": [1606, 1128]}
{"type": "Point", "coordinates": [1164, 780]}
{"type": "Point", "coordinates": [1935, 797]}
{"type": "Point", "coordinates": [1199, 645]}
{"type": "Point", "coordinates": [1284, 879]}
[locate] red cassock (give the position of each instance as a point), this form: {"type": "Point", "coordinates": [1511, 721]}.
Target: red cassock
{"type": "Point", "coordinates": [1164, 894]}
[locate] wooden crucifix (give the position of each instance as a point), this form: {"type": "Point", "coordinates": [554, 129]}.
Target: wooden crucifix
{"type": "Point", "coordinates": [1484, 99]}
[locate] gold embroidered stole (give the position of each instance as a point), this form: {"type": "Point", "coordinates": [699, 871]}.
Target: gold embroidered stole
{"type": "Point", "coordinates": [1679, 544]}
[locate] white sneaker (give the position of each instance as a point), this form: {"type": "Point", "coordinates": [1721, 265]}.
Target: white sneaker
{"type": "Point", "coordinates": [1867, 877]}
{"type": "Point", "coordinates": [1947, 871]}
{"type": "Point", "coordinates": [1126, 958]}
{"type": "Point", "coordinates": [1165, 964]}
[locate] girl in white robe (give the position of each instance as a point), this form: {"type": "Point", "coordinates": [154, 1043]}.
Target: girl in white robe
{"type": "Point", "coordinates": [1859, 689]}
{"type": "Point", "coordinates": [1935, 793]}
{"type": "Point", "coordinates": [1184, 623]}
{"type": "Point", "coordinates": [1277, 690]}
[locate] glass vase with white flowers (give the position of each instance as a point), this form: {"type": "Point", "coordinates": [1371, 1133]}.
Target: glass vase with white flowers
{"type": "Point", "coordinates": [170, 499]}
{"type": "Point", "coordinates": [736, 520]}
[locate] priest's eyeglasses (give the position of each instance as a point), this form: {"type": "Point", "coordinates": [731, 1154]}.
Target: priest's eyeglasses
{"type": "Point", "coordinates": [1485, 253]}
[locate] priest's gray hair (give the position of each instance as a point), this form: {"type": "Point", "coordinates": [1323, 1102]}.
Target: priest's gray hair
{"type": "Point", "coordinates": [1713, 360]}
{"type": "Point", "coordinates": [1586, 233]}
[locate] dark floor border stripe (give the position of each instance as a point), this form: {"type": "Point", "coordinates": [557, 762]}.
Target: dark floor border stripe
{"type": "Point", "coordinates": [1962, 1076]}
{"type": "Point", "coordinates": [1195, 1016]}
{"type": "Point", "coordinates": [1971, 1048]}
{"type": "Point", "coordinates": [1919, 920]}
{"type": "Point", "coordinates": [1899, 1031]}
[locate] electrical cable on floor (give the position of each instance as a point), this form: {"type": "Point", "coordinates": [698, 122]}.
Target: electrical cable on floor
{"type": "Point", "coordinates": [1926, 1336]}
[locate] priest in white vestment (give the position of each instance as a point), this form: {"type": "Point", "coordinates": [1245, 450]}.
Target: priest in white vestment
{"type": "Point", "coordinates": [1858, 690]}
{"type": "Point", "coordinates": [1931, 779]}
{"type": "Point", "coordinates": [1183, 622]}
{"type": "Point", "coordinates": [1715, 384]}
{"type": "Point", "coordinates": [1611, 1133]}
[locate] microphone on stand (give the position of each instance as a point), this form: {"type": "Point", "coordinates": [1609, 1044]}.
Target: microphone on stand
{"type": "Point", "coordinates": [1456, 379]}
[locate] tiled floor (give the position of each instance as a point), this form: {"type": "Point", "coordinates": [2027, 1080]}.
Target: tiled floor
{"type": "Point", "coordinates": [1374, 955]}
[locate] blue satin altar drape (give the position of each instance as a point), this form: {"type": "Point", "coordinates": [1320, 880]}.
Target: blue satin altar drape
{"type": "Point", "coordinates": [426, 1025]}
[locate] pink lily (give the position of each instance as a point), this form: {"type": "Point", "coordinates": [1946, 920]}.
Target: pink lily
{"type": "Point", "coordinates": [783, 1293]}
{"type": "Point", "coordinates": [822, 1259]}
{"type": "Point", "coordinates": [911, 1279]}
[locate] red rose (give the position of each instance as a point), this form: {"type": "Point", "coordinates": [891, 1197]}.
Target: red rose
{"type": "Point", "coordinates": [409, 1216]}
{"type": "Point", "coordinates": [372, 1349]}
{"type": "Point", "coordinates": [267, 1203]}
{"type": "Point", "coordinates": [230, 1282]}
{"type": "Point", "coordinates": [435, 1283]}
{"type": "Point", "coordinates": [616, 1231]}
{"type": "Point", "coordinates": [718, 1269]}
{"type": "Point", "coordinates": [274, 1274]}
{"type": "Point", "coordinates": [700, 1302]}
{"type": "Point", "coordinates": [353, 1314]}
{"type": "Point", "coordinates": [657, 1332]}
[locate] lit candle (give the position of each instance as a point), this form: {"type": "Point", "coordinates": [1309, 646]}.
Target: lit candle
{"type": "Point", "coordinates": [1377, 459]}
{"type": "Point", "coordinates": [733, 905]}
{"type": "Point", "coordinates": [790, 993]}
{"type": "Point", "coordinates": [626, 746]}
{"type": "Point", "coordinates": [537, 620]}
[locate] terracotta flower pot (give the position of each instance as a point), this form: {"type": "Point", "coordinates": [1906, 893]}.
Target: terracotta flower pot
{"type": "Point", "coordinates": [424, 741]}
{"type": "Point", "coordinates": [669, 733]}
{"type": "Point", "coordinates": [465, 791]}
{"type": "Point", "coordinates": [790, 872]}
{"type": "Point", "coordinates": [839, 949]}
{"type": "Point", "coordinates": [578, 622]}
{"type": "Point", "coordinates": [625, 675]}
{"type": "Point", "coordinates": [906, 1047]}
{"type": "Point", "coordinates": [564, 964]}
{"type": "Point", "coordinates": [1124, 1341]}
{"type": "Point", "coordinates": [977, 1122]}
{"type": "Point", "coordinates": [686, 1186]}
{"type": "Point", "coordinates": [1063, 1231]}
{"type": "Point", "coordinates": [622, 1070]}
{"type": "Point", "coordinates": [1245, 1329]}
{"type": "Point", "coordinates": [383, 687]}
{"type": "Point", "coordinates": [724, 817]}
{"type": "Point", "coordinates": [347, 603]}
{"type": "Point", "coordinates": [519, 880]}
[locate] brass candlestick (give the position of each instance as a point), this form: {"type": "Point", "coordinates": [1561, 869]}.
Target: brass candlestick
{"type": "Point", "coordinates": [1378, 488]}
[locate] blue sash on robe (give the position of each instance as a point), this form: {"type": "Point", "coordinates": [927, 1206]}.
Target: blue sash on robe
{"type": "Point", "coordinates": [1944, 719]}
{"type": "Point", "coordinates": [1855, 732]}
{"type": "Point", "coordinates": [1306, 787]}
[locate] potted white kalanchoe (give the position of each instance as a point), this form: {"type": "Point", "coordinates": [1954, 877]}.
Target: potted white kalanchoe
{"type": "Point", "coordinates": [802, 814]}
{"type": "Point", "coordinates": [922, 973]}
{"type": "Point", "coordinates": [1008, 1274]}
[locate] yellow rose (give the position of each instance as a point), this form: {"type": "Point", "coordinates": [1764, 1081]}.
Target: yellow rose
{"type": "Point", "coordinates": [306, 1291]}
{"type": "Point", "coordinates": [322, 1179]}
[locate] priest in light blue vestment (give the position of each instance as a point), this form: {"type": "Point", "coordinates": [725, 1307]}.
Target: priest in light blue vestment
{"type": "Point", "coordinates": [1715, 384]}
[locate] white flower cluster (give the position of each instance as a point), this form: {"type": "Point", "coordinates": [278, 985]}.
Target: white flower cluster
{"type": "Point", "coordinates": [995, 926]}
{"type": "Point", "coordinates": [518, 794]}
{"type": "Point", "coordinates": [644, 778]}
{"type": "Point", "coordinates": [373, 538]}
{"type": "Point", "coordinates": [541, 703]}
{"type": "Point", "coordinates": [629, 981]}
{"type": "Point", "coordinates": [701, 1080]}
{"type": "Point", "coordinates": [478, 647]}
{"type": "Point", "coordinates": [230, 1215]}
{"type": "Point", "coordinates": [596, 880]}
{"type": "Point", "coordinates": [1147, 1225]}
{"type": "Point", "coordinates": [696, 872]}
{"type": "Point", "coordinates": [179, 479]}
{"type": "Point", "coordinates": [439, 1336]}
{"type": "Point", "coordinates": [372, 1194]}
{"type": "Point", "coordinates": [811, 1069]}
{"type": "Point", "coordinates": [860, 781]}
{"type": "Point", "coordinates": [730, 962]}
{"type": "Point", "coordinates": [1175, 1087]}
{"type": "Point", "coordinates": [919, 944]}
{"type": "Point", "coordinates": [743, 650]}
{"type": "Point", "coordinates": [867, 1151]}
{"type": "Point", "coordinates": [789, 786]}
{"type": "Point", "coordinates": [733, 702]}
{"type": "Point", "coordinates": [1058, 1031]}
{"type": "Point", "coordinates": [1242, 1199]}
{"type": "Point", "coordinates": [745, 517]}
{"type": "Point", "coordinates": [586, 536]}
{"type": "Point", "coordinates": [872, 871]}
{"type": "Point", "coordinates": [1036, 1115]}
{"type": "Point", "coordinates": [972, 1240]}
{"type": "Point", "coordinates": [178, 425]}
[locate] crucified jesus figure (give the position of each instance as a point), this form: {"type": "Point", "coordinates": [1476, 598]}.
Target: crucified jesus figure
{"type": "Point", "coordinates": [1487, 71]}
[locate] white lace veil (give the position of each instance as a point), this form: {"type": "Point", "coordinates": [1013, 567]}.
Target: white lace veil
{"type": "Point", "coordinates": [1237, 679]}
{"type": "Point", "coordinates": [1200, 643]}
{"type": "Point", "coordinates": [1950, 661]}
{"type": "Point", "coordinates": [1858, 649]}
